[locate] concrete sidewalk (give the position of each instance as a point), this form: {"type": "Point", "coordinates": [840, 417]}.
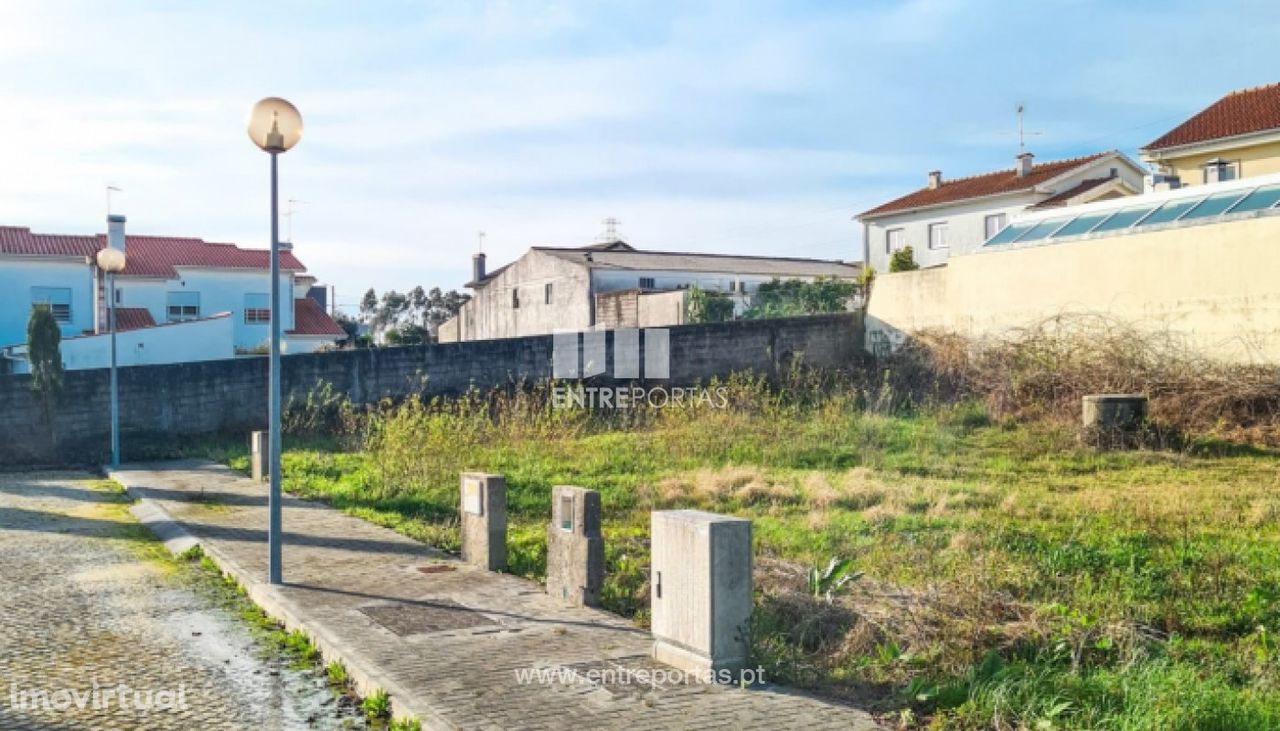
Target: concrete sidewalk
{"type": "Point", "coordinates": [447, 641]}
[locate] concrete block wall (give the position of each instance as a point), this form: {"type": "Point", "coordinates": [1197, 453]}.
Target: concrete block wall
{"type": "Point", "coordinates": [230, 395]}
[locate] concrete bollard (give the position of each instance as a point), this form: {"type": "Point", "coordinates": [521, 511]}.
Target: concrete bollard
{"type": "Point", "coordinates": [701, 591]}
{"type": "Point", "coordinates": [258, 455]}
{"type": "Point", "coordinates": [1126, 412]}
{"type": "Point", "coordinates": [484, 520]}
{"type": "Point", "coordinates": [575, 548]}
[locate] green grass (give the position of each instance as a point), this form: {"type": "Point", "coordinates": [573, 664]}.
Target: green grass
{"type": "Point", "coordinates": [1009, 573]}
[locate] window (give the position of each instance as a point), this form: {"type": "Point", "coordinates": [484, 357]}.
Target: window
{"type": "Point", "coordinates": [938, 236]}
{"type": "Point", "coordinates": [892, 240]}
{"type": "Point", "coordinates": [546, 293]}
{"type": "Point", "coordinates": [257, 309]}
{"type": "Point", "coordinates": [993, 223]}
{"type": "Point", "coordinates": [515, 298]}
{"type": "Point", "coordinates": [182, 306]}
{"type": "Point", "coordinates": [648, 283]}
{"type": "Point", "coordinates": [58, 299]}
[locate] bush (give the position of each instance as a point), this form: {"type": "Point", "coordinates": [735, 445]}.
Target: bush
{"type": "Point", "coordinates": [903, 260]}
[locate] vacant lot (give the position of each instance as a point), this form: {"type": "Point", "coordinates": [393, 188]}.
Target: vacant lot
{"type": "Point", "coordinates": [1004, 575]}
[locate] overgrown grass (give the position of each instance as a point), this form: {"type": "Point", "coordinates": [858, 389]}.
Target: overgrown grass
{"type": "Point", "coordinates": [1011, 577]}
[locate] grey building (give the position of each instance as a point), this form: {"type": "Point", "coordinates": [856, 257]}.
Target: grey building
{"type": "Point", "coordinates": [612, 285]}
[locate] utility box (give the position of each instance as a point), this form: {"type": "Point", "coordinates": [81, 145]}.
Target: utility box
{"type": "Point", "coordinates": [575, 547]}
{"type": "Point", "coordinates": [259, 456]}
{"type": "Point", "coordinates": [700, 590]}
{"type": "Point", "coordinates": [484, 520]}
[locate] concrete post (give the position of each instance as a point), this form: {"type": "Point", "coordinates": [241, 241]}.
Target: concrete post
{"type": "Point", "coordinates": [575, 548]}
{"type": "Point", "coordinates": [258, 455]}
{"type": "Point", "coordinates": [1118, 411]}
{"type": "Point", "coordinates": [701, 590]}
{"type": "Point", "coordinates": [484, 520]}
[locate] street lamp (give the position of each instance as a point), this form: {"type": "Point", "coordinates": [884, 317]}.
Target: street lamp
{"type": "Point", "coordinates": [112, 261]}
{"type": "Point", "coordinates": [275, 126]}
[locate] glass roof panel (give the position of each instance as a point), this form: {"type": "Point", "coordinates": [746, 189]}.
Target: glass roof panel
{"type": "Point", "coordinates": [1123, 218]}
{"type": "Point", "coordinates": [1009, 233]}
{"type": "Point", "coordinates": [1042, 229]}
{"type": "Point", "coordinates": [1170, 211]}
{"type": "Point", "coordinates": [1081, 225]}
{"type": "Point", "coordinates": [1214, 205]}
{"type": "Point", "coordinates": [1259, 199]}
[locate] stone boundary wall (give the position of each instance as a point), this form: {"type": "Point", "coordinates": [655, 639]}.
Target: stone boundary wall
{"type": "Point", "coordinates": [231, 395]}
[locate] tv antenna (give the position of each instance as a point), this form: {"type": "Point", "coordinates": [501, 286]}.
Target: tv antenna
{"type": "Point", "coordinates": [288, 215]}
{"type": "Point", "coordinates": [111, 189]}
{"type": "Point", "coordinates": [1022, 133]}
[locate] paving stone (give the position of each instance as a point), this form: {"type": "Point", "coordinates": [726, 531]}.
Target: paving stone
{"type": "Point", "coordinates": [449, 673]}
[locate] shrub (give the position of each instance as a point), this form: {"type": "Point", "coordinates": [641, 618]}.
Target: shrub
{"type": "Point", "coordinates": [903, 260]}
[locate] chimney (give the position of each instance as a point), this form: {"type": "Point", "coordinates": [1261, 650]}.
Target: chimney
{"type": "Point", "coordinates": [115, 232]}
{"type": "Point", "coordinates": [935, 179]}
{"type": "Point", "coordinates": [1024, 164]}
{"type": "Point", "coordinates": [477, 266]}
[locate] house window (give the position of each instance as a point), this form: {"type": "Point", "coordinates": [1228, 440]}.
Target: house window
{"type": "Point", "coordinates": [58, 300]}
{"type": "Point", "coordinates": [546, 293]}
{"type": "Point", "coordinates": [515, 298]}
{"type": "Point", "coordinates": [938, 236]}
{"type": "Point", "coordinates": [892, 240]}
{"type": "Point", "coordinates": [648, 283]}
{"type": "Point", "coordinates": [994, 223]}
{"type": "Point", "coordinates": [183, 306]}
{"type": "Point", "coordinates": [733, 286]}
{"type": "Point", "coordinates": [257, 309]}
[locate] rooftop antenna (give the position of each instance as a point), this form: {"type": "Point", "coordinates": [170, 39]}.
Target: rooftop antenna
{"type": "Point", "coordinates": [1022, 133]}
{"type": "Point", "coordinates": [111, 189]}
{"type": "Point", "coordinates": [480, 236]}
{"type": "Point", "coordinates": [610, 234]}
{"type": "Point", "coordinates": [288, 215]}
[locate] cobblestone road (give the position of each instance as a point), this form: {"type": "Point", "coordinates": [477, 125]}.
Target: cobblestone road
{"type": "Point", "coordinates": [87, 602]}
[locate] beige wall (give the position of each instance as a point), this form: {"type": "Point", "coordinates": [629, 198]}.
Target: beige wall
{"type": "Point", "coordinates": [1216, 284]}
{"type": "Point", "coordinates": [1254, 160]}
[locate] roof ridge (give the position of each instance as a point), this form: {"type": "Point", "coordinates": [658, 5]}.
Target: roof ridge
{"type": "Point", "coordinates": [1252, 89]}
{"type": "Point", "coordinates": [1046, 163]}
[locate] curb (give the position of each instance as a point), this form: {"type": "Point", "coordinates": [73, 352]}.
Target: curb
{"type": "Point", "coordinates": [366, 679]}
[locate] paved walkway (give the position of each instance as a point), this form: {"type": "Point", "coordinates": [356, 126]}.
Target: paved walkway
{"type": "Point", "coordinates": [87, 604]}
{"type": "Point", "coordinates": [447, 641]}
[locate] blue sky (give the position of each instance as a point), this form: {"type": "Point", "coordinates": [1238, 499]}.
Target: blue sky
{"type": "Point", "coordinates": [735, 127]}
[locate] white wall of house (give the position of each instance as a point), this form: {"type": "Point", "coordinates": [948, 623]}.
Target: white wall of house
{"type": "Point", "coordinates": [492, 313]}
{"type": "Point", "coordinates": [18, 277]}
{"type": "Point", "coordinates": [966, 221]}
{"type": "Point", "coordinates": [218, 290]}
{"type": "Point", "coordinates": [177, 343]}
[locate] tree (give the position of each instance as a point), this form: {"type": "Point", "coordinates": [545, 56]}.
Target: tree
{"type": "Point", "coordinates": [903, 260]}
{"type": "Point", "coordinates": [703, 306]}
{"type": "Point", "coordinates": [45, 355]}
{"type": "Point", "coordinates": [794, 297]}
{"type": "Point", "coordinates": [410, 318]}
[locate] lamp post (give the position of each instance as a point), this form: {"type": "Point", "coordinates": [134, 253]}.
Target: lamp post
{"type": "Point", "coordinates": [275, 126]}
{"type": "Point", "coordinates": [111, 261]}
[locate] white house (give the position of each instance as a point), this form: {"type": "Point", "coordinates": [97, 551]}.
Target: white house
{"type": "Point", "coordinates": [612, 285]}
{"type": "Point", "coordinates": [949, 217]}
{"type": "Point", "coordinates": [178, 299]}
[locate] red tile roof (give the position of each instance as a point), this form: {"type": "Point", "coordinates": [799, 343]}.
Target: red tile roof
{"type": "Point", "coordinates": [1238, 113]}
{"type": "Point", "coordinates": [979, 186]}
{"type": "Point", "coordinates": [133, 318]}
{"type": "Point", "coordinates": [1060, 199]}
{"type": "Point", "coordinates": [309, 318]}
{"type": "Point", "coordinates": [148, 256]}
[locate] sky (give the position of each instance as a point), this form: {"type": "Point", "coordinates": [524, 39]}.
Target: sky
{"type": "Point", "coordinates": [724, 127]}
